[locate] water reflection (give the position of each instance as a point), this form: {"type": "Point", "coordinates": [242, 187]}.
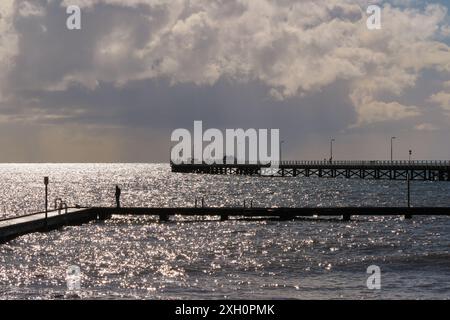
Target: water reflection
{"type": "Point", "coordinates": [140, 258]}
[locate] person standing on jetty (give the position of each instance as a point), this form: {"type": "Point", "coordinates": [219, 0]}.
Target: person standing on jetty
{"type": "Point", "coordinates": [118, 192]}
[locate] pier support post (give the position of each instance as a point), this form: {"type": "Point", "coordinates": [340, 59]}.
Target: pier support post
{"type": "Point", "coordinates": [408, 181]}
{"type": "Point", "coordinates": [346, 217]}
{"type": "Point", "coordinates": [164, 217]}
{"type": "Point", "coordinates": [102, 216]}
{"type": "Point", "coordinates": [223, 217]}
{"type": "Point", "coordinates": [285, 217]}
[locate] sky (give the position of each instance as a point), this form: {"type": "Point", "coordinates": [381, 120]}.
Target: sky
{"type": "Point", "coordinates": [137, 70]}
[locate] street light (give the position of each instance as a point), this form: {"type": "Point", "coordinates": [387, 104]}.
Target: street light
{"type": "Point", "coordinates": [331, 149]}
{"type": "Point", "coordinates": [392, 139]}
{"type": "Point", "coordinates": [409, 176]}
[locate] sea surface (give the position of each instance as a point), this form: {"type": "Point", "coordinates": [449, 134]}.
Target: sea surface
{"type": "Point", "coordinates": [139, 258]}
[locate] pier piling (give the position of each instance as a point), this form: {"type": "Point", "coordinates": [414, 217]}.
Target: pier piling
{"type": "Point", "coordinates": [164, 217]}
{"type": "Point", "coordinates": [346, 217]}
{"type": "Point", "coordinates": [408, 181]}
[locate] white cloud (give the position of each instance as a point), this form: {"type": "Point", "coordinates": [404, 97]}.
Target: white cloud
{"type": "Point", "coordinates": [377, 111]}
{"type": "Point", "coordinates": [442, 99]}
{"type": "Point", "coordinates": [28, 8]}
{"type": "Point", "coordinates": [426, 127]}
{"type": "Point", "coordinates": [8, 40]}
{"type": "Point", "coordinates": [445, 31]}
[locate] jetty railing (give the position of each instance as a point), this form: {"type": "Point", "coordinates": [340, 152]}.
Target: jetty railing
{"type": "Point", "coordinates": [328, 163]}
{"type": "Point", "coordinates": [368, 162]}
{"type": "Point", "coordinates": [65, 208]}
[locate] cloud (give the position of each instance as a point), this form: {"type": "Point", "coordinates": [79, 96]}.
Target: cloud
{"type": "Point", "coordinates": [377, 111]}
{"type": "Point", "coordinates": [8, 41]}
{"type": "Point", "coordinates": [295, 48]}
{"type": "Point", "coordinates": [29, 9]}
{"type": "Point", "coordinates": [426, 127]}
{"type": "Point", "coordinates": [442, 99]}
{"type": "Point", "coordinates": [445, 31]}
{"type": "Point", "coordinates": [406, 46]}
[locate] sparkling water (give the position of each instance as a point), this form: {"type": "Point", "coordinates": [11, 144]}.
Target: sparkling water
{"type": "Point", "coordinates": [137, 257]}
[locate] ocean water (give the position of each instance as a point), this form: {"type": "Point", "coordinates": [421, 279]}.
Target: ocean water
{"type": "Point", "coordinates": [139, 258]}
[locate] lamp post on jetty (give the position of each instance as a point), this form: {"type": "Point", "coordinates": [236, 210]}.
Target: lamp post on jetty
{"type": "Point", "coordinates": [46, 199]}
{"type": "Point", "coordinates": [392, 148]}
{"type": "Point", "coordinates": [331, 149]}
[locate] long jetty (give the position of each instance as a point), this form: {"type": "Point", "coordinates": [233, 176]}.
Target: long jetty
{"type": "Point", "coordinates": [14, 227]}
{"type": "Point", "coordinates": [376, 169]}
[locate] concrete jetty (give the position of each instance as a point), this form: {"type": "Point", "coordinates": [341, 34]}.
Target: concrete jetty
{"type": "Point", "coordinates": [13, 227]}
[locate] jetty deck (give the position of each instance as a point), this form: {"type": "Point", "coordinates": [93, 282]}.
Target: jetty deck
{"type": "Point", "coordinates": [34, 217]}
{"type": "Point", "coordinates": [438, 170]}
{"type": "Point", "coordinates": [11, 228]}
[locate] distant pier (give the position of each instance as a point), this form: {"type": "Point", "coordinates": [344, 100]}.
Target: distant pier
{"type": "Point", "coordinates": [377, 170]}
{"type": "Point", "coordinates": [14, 227]}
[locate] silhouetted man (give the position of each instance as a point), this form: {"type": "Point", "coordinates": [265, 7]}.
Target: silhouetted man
{"type": "Point", "coordinates": [118, 192]}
